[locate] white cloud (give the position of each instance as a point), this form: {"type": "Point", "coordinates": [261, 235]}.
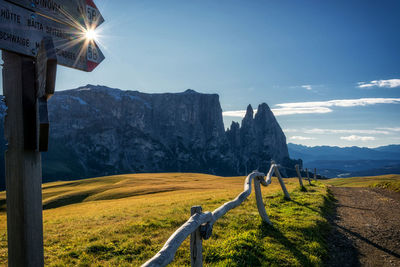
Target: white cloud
{"type": "Point", "coordinates": [341, 103]}
{"type": "Point", "coordinates": [301, 138]}
{"type": "Point", "coordinates": [346, 131]}
{"type": "Point", "coordinates": [307, 87]}
{"type": "Point", "coordinates": [358, 138]}
{"type": "Point", "coordinates": [234, 113]}
{"type": "Point", "coordinates": [317, 107]}
{"type": "Point", "coordinates": [290, 130]}
{"type": "Point", "coordinates": [392, 83]}
{"type": "Point", "coordinates": [300, 110]}
{"type": "Point", "coordinates": [391, 129]}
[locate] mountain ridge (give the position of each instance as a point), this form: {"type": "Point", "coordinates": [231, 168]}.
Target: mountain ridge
{"type": "Point", "coordinates": [333, 161]}
{"type": "Point", "coordinates": [97, 130]}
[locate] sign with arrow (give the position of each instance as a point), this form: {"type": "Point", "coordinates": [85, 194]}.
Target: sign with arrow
{"type": "Point", "coordinates": [22, 31]}
{"type": "Point", "coordinates": [77, 13]}
{"type": "Point", "coordinates": [35, 36]}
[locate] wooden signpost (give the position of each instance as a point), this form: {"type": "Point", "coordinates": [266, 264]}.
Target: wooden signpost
{"type": "Point", "coordinates": [22, 31]}
{"type": "Point", "coordinates": [35, 36]}
{"type": "Point", "coordinates": [77, 13]}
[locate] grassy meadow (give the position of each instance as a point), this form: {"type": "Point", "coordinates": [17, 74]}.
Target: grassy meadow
{"type": "Point", "coordinates": [391, 182]}
{"type": "Point", "coordinates": [124, 220]}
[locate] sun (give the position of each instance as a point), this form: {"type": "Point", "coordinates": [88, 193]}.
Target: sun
{"type": "Point", "coordinates": [90, 35]}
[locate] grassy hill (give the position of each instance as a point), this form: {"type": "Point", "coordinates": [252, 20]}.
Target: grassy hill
{"type": "Point", "coordinates": [391, 182]}
{"type": "Point", "coordinates": [124, 220]}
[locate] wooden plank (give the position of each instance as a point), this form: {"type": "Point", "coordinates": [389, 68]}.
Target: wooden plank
{"type": "Point", "coordinates": [308, 176]}
{"type": "Point", "coordinates": [167, 253]}
{"type": "Point", "coordinates": [22, 32]}
{"type": "Point", "coordinates": [76, 13]}
{"type": "Point", "coordinates": [221, 211]}
{"type": "Point", "coordinates": [299, 175]}
{"type": "Point", "coordinates": [260, 202]}
{"type": "Point", "coordinates": [278, 174]}
{"type": "Point", "coordinates": [23, 172]}
{"type": "Point", "coordinates": [196, 242]}
{"type": "Point", "coordinates": [46, 70]}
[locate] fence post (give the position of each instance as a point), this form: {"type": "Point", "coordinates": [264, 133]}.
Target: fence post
{"type": "Point", "coordinates": [260, 202]}
{"type": "Point", "coordinates": [196, 243]}
{"type": "Point", "coordinates": [308, 177]}
{"type": "Point", "coordinates": [315, 174]}
{"type": "Point", "coordinates": [278, 174]}
{"type": "Point", "coordinates": [299, 175]}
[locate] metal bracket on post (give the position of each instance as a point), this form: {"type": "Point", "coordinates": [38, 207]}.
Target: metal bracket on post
{"type": "Point", "coordinates": [46, 70]}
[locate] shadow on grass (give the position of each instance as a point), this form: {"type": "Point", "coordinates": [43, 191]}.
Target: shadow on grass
{"type": "Point", "coordinates": [268, 230]}
{"type": "Point", "coordinates": [3, 206]}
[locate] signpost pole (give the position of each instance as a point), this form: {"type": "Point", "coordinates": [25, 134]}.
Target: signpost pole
{"type": "Point", "coordinates": [23, 167]}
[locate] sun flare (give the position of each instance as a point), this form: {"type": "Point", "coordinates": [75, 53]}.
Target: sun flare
{"type": "Point", "coordinates": [90, 35]}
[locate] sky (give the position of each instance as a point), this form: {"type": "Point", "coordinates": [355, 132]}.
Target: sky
{"type": "Point", "coordinates": [329, 70]}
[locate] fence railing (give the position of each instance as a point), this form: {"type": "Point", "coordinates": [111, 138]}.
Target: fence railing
{"type": "Point", "coordinates": [200, 225]}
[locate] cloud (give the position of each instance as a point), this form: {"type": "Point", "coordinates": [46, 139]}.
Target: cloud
{"type": "Point", "coordinates": [358, 138]}
{"type": "Point", "coordinates": [234, 113]}
{"type": "Point", "coordinates": [391, 129]}
{"type": "Point", "coordinates": [346, 131]}
{"type": "Point", "coordinates": [341, 103]}
{"type": "Point", "coordinates": [392, 83]}
{"type": "Point", "coordinates": [317, 107]}
{"type": "Point", "coordinates": [307, 87]}
{"type": "Point", "coordinates": [301, 138]}
{"type": "Point", "coordinates": [290, 130]}
{"type": "Point", "coordinates": [300, 110]}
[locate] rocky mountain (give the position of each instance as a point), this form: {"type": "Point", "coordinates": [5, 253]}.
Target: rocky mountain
{"type": "Point", "coordinates": [260, 139]}
{"type": "Point", "coordinates": [96, 130]}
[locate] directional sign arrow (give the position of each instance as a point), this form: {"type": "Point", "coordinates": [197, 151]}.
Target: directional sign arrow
{"type": "Point", "coordinates": [22, 31]}
{"type": "Point", "coordinates": [77, 13]}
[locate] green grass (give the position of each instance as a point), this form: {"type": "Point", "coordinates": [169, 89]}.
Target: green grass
{"type": "Point", "coordinates": [363, 181]}
{"type": "Point", "coordinates": [392, 185]}
{"type": "Point", "coordinates": [124, 220]}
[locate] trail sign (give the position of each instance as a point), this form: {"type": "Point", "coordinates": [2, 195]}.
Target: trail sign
{"type": "Point", "coordinates": [35, 36]}
{"type": "Point", "coordinates": [77, 13]}
{"type": "Point", "coordinates": [22, 31]}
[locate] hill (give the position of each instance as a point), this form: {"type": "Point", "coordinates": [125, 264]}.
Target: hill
{"type": "Point", "coordinates": [349, 161]}
{"type": "Point", "coordinates": [124, 220]}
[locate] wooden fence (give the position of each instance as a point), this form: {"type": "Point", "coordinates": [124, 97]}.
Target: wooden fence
{"type": "Point", "coordinates": [200, 225]}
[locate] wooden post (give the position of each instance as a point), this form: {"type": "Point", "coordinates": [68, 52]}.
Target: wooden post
{"type": "Point", "coordinates": [260, 202]}
{"type": "Point", "coordinates": [23, 168]}
{"type": "Point", "coordinates": [299, 175]}
{"type": "Point", "coordinates": [278, 174]}
{"type": "Point", "coordinates": [308, 177]}
{"type": "Point", "coordinates": [315, 174]}
{"type": "Point", "coordinates": [196, 243]}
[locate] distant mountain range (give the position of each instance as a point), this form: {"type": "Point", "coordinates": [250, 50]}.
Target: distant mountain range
{"type": "Point", "coordinates": [348, 161]}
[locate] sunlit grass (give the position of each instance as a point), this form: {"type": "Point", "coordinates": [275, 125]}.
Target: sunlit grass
{"type": "Point", "coordinates": [124, 220]}
{"type": "Point", "coordinates": [362, 181]}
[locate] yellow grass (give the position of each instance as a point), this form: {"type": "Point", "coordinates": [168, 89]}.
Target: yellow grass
{"type": "Point", "coordinates": [116, 210]}
{"type": "Point", "coordinates": [362, 181]}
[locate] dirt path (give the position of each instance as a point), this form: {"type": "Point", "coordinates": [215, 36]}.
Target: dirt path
{"type": "Point", "coordinates": [366, 228]}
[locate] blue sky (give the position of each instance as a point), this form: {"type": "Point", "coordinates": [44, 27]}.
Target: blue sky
{"type": "Point", "coordinates": [250, 52]}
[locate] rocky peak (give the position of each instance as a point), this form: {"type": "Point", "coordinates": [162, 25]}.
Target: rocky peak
{"type": "Point", "coordinates": [249, 113]}
{"type": "Point", "coordinates": [190, 91]}
{"type": "Point", "coordinates": [97, 130]}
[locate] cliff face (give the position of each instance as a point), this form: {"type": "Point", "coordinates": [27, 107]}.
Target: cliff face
{"type": "Point", "coordinates": [258, 141]}
{"type": "Point", "coordinates": [97, 131]}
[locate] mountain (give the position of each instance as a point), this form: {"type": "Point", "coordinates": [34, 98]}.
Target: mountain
{"type": "Point", "coordinates": [97, 130]}
{"type": "Point", "coordinates": [349, 161]}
